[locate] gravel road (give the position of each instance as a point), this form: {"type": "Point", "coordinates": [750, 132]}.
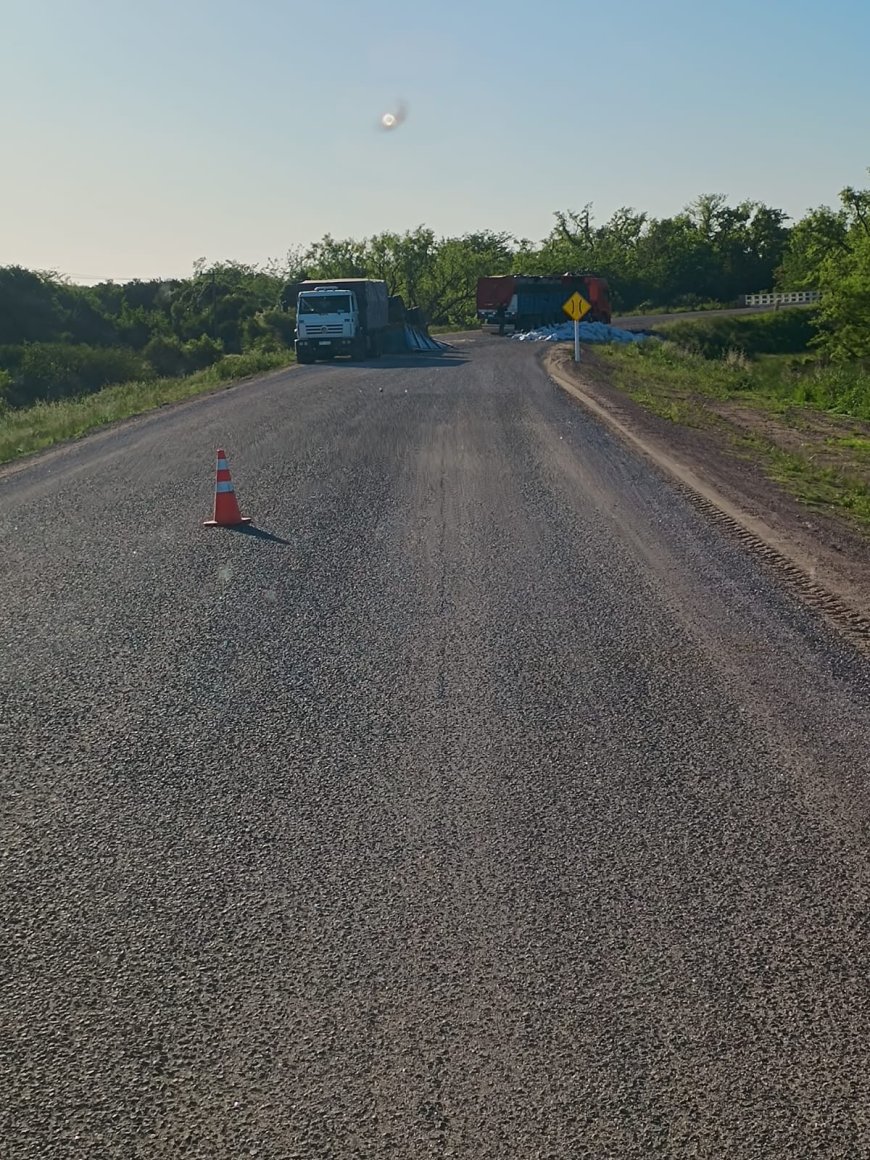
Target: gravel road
{"type": "Point", "coordinates": [486, 802]}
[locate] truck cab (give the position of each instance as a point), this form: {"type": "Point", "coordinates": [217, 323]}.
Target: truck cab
{"type": "Point", "coordinates": [328, 323]}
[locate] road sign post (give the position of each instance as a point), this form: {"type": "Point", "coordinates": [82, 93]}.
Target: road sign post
{"type": "Point", "coordinates": [577, 307]}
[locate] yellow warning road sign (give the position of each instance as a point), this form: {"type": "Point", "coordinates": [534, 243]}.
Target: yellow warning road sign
{"type": "Point", "coordinates": [577, 307]}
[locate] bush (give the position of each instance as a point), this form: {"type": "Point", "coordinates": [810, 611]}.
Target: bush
{"type": "Point", "coordinates": [265, 344]}
{"type": "Point", "coordinates": [5, 384]}
{"type": "Point", "coordinates": [170, 357]}
{"type": "Point", "coordinates": [53, 370]}
{"type": "Point", "coordinates": [271, 329]}
{"type": "Point", "coordinates": [842, 389]}
{"type": "Point", "coordinates": [239, 366]}
{"type": "Point", "coordinates": [10, 358]}
{"type": "Point", "coordinates": [201, 352]}
{"type": "Point", "coordinates": [780, 332]}
{"type": "Point", "coordinates": [165, 356]}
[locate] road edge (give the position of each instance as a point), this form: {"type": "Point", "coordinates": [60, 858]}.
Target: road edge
{"type": "Point", "coordinates": [752, 533]}
{"type": "Point", "coordinates": [103, 430]}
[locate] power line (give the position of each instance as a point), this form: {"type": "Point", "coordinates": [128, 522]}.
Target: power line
{"type": "Point", "coordinates": [119, 278]}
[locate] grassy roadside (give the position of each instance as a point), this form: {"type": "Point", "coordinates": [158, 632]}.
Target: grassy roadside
{"type": "Point", "coordinates": [648, 308]}
{"type": "Point", "coordinates": [807, 425]}
{"type": "Point", "coordinates": [44, 424]}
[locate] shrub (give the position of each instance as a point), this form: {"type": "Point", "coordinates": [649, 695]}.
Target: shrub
{"type": "Point", "coordinates": [10, 358]}
{"type": "Point", "coordinates": [238, 366]}
{"type": "Point", "coordinates": [165, 356]}
{"type": "Point", "coordinates": [779, 332]}
{"type": "Point", "coordinates": [271, 329]}
{"type": "Point", "coordinates": [201, 352]}
{"type": "Point", "coordinates": [52, 370]}
{"type": "Point", "coordinates": [5, 384]}
{"type": "Point", "coordinates": [171, 358]}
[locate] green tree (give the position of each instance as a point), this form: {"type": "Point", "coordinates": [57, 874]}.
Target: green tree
{"type": "Point", "coordinates": [747, 241]}
{"type": "Point", "coordinates": [331, 258]}
{"type": "Point", "coordinates": [219, 300]}
{"type": "Point", "coordinates": [676, 264]}
{"type": "Point", "coordinates": [844, 282]}
{"type": "Point", "coordinates": [822, 233]}
{"type": "Point", "coordinates": [31, 309]}
{"type": "Point", "coordinates": [447, 294]}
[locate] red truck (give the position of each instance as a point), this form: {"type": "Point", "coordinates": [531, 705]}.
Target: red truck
{"type": "Point", "coordinates": [525, 302]}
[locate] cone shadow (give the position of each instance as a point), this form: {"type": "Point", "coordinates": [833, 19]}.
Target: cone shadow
{"type": "Point", "coordinates": [258, 534]}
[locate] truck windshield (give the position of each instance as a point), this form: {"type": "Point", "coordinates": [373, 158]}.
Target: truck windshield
{"type": "Point", "coordinates": [324, 304]}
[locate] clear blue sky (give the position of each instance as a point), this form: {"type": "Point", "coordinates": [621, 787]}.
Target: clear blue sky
{"type": "Point", "coordinates": [138, 135]}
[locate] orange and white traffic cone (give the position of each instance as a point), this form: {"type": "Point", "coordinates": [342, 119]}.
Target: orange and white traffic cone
{"type": "Point", "coordinates": [226, 506]}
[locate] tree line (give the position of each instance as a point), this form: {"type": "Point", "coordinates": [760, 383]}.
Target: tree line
{"type": "Point", "coordinates": [58, 338]}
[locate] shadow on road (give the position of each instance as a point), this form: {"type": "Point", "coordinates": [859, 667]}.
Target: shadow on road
{"type": "Point", "coordinates": [258, 534]}
{"type": "Point", "coordinates": [433, 360]}
{"type": "Point", "coordinates": [449, 359]}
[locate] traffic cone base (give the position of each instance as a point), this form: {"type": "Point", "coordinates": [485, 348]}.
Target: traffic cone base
{"type": "Point", "coordinates": [226, 506]}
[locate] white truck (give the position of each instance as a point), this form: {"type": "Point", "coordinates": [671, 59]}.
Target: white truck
{"type": "Point", "coordinates": [340, 316]}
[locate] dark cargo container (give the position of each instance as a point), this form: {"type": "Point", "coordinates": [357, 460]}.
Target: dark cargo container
{"type": "Point", "coordinates": [524, 302]}
{"type": "Point", "coordinates": [371, 297]}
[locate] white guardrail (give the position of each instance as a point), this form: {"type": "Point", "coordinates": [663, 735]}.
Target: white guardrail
{"type": "Point", "coordinates": [793, 298]}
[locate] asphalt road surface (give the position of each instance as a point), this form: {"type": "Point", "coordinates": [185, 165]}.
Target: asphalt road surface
{"type": "Point", "coordinates": [486, 803]}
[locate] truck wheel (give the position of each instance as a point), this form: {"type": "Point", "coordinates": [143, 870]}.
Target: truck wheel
{"type": "Point", "coordinates": [304, 357]}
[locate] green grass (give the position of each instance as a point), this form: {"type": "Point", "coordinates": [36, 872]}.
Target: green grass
{"type": "Point", "coordinates": [779, 382]}
{"type": "Point", "coordinates": [776, 332]}
{"type": "Point", "coordinates": [44, 424]}
{"type": "Point", "coordinates": [662, 371]}
{"type": "Point", "coordinates": [670, 407]}
{"type": "Point", "coordinates": [684, 387]}
{"type": "Point", "coordinates": [822, 487]}
{"type": "Point", "coordinates": [647, 308]}
{"type": "Point", "coordinates": [859, 446]}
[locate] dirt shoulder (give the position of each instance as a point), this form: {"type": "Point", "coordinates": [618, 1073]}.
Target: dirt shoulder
{"type": "Point", "coordinates": [829, 553]}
